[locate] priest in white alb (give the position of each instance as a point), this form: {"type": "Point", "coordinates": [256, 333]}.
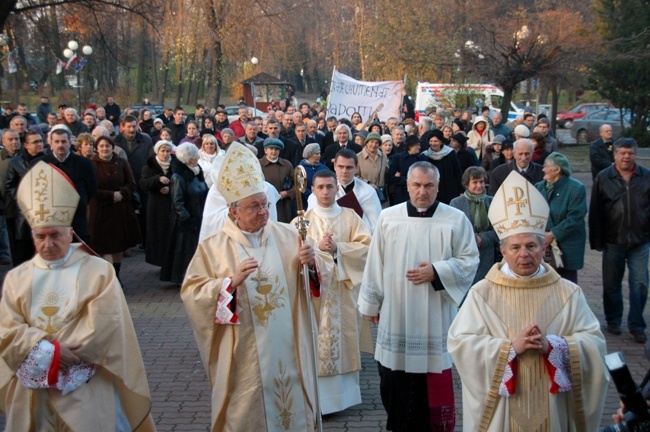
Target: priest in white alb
{"type": "Point", "coordinates": [352, 191]}
{"type": "Point", "coordinates": [421, 262]}
{"type": "Point", "coordinates": [341, 241]}
{"type": "Point", "coordinates": [69, 355]}
{"type": "Point", "coordinates": [528, 349]}
{"type": "Point", "coordinates": [244, 296]}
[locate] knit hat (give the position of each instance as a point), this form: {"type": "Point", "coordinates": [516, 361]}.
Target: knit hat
{"type": "Point", "coordinates": [386, 138]}
{"type": "Point", "coordinates": [522, 131]}
{"type": "Point", "coordinates": [272, 143]}
{"type": "Point", "coordinates": [227, 131]}
{"type": "Point", "coordinates": [561, 161]}
{"type": "Point", "coordinates": [310, 150]}
{"type": "Point", "coordinates": [499, 139]}
{"type": "Point", "coordinates": [372, 136]}
{"type": "Point", "coordinates": [362, 133]}
{"type": "Point", "coordinates": [158, 120]}
{"type": "Point", "coordinates": [162, 143]}
{"type": "Point", "coordinates": [412, 140]}
{"type": "Point", "coordinates": [460, 137]}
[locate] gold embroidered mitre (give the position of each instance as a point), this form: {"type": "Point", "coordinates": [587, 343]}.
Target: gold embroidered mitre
{"type": "Point", "coordinates": [47, 197]}
{"type": "Point", "coordinates": [240, 175]}
{"type": "Point", "coordinates": [518, 208]}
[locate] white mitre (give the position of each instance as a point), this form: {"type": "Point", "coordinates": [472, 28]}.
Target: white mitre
{"type": "Point", "coordinates": [240, 174]}
{"type": "Point", "coordinates": [47, 197]}
{"type": "Point", "coordinates": [518, 208]}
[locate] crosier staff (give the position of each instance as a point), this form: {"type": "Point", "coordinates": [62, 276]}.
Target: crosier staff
{"type": "Point", "coordinates": [300, 182]}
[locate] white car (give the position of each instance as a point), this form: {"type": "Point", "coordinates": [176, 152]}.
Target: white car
{"type": "Point", "coordinates": [233, 113]}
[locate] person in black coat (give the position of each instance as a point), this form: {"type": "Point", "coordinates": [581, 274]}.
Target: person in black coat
{"type": "Point", "coordinates": [22, 246]}
{"type": "Point", "coordinates": [188, 193]}
{"type": "Point", "coordinates": [601, 151]}
{"type": "Point", "coordinates": [342, 139]}
{"type": "Point", "coordinates": [522, 163]}
{"type": "Point", "coordinates": [155, 181]}
{"type": "Point", "coordinates": [398, 168]}
{"type": "Point", "coordinates": [445, 159]}
{"type": "Point", "coordinates": [113, 111]}
{"type": "Point", "coordinates": [80, 171]}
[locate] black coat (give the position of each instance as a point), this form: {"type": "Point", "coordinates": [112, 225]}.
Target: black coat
{"type": "Point", "coordinates": [81, 172]}
{"type": "Point", "coordinates": [601, 156]}
{"type": "Point", "coordinates": [178, 131]}
{"type": "Point", "coordinates": [400, 163]}
{"type": "Point", "coordinates": [138, 155]}
{"type": "Point", "coordinates": [18, 167]}
{"type": "Point", "coordinates": [113, 113]}
{"type": "Point", "coordinates": [533, 174]}
{"type": "Point", "coordinates": [333, 149]}
{"type": "Point", "coordinates": [450, 185]}
{"type": "Point", "coordinates": [159, 212]}
{"type": "Point", "coordinates": [619, 212]}
{"type": "Point", "coordinates": [188, 194]}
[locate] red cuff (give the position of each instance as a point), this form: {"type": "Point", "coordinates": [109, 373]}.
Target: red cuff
{"type": "Point", "coordinates": [53, 373]}
{"type": "Point", "coordinates": [314, 282]}
{"type": "Point", "coordinates": [511, 384]}
{"type": "Point", "coordinates": [550, 371]}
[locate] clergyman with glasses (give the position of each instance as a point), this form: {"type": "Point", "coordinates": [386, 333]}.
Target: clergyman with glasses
{"type": "Point", "coordinates": [244, 295]}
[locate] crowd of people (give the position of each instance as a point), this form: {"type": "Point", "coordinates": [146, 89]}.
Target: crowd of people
{"type": "Point", "coordinates": [405, 217]}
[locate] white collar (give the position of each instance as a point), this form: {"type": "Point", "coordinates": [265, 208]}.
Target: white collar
{"type": "Point", "coordinates": [57, 264]}
{"type": "Point", "coordinates": [506, 270]}
{"type": "Point", "coordinates": [328, 212]}
{"type": "Point", "coordinates": [255, 239]}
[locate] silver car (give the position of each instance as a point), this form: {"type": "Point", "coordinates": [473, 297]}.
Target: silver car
{"type": "Point", "coordinates": [586, 129]}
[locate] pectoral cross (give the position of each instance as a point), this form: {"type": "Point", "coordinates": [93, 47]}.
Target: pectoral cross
{"type": "Point", "coordinates": [518, 200]}
{"type": "Point", "coordinates": [42, 212]}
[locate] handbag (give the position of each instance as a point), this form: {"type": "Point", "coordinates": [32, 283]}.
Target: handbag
{"type": "Point", "coordinates": [553, 255]}
{"type": "Point", "coordinates": [381, 194]}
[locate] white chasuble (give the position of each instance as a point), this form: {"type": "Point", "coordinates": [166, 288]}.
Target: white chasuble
{"type": "Point", "coordinates": [267, 298]}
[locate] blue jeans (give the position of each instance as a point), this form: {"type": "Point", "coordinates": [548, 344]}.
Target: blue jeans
{"type": "Point", "coordinates": [614, 258]}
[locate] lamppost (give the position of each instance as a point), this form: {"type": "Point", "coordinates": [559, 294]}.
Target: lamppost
{"type": "Point", "coordinates": [70, 52]}
{"type": "Point", "coordinates": [254, 61]}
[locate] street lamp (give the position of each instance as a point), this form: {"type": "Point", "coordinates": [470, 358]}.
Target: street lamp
{"type": "Point", "coordinates": [69, 53]}
{"type": "Point", "coordinates": [255, 61]}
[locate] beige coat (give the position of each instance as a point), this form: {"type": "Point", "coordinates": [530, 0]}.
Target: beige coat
{"type": "Point", "coordinates": [372, 170]}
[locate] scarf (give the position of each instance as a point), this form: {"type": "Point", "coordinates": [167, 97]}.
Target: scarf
{"type": "Point", "coordinates": [164, 165]}
{"type": "Point", "coordinates": [196, 170]}
{"type": "Point", "coordinates": [478, 211]}
{"type": "Point", "coordinates": [437, 155]}
{"type": "Point", "coordinates": [207, 157]}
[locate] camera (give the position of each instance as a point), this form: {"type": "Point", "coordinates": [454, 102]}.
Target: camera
{"type": "Point", "coordinates": [637, 416]}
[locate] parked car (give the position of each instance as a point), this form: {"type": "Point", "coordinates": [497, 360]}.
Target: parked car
{"type": "Point", "coordinates": [565, 119]}
{"type": "Point", "coordinates": [233, 112]}
{"type": "Point", "coordinates": [156, 110]}
{"type": "Point", "coordinates": [586, 130]}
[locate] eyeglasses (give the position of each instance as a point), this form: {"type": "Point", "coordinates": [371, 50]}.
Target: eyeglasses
{"type": "Point", "coordinates": [256, 208]}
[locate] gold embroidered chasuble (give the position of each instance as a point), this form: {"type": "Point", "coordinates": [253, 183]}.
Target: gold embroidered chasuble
{"type": "Point", "coordinates": [495, 310]}
{"type": "Point", "coordinates": [80, 302]}
{"type": "Point", "coordinates": [260, 369]}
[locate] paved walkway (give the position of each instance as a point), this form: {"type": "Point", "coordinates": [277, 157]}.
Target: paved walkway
{"type": "Point", "coordinates": [179, 387]}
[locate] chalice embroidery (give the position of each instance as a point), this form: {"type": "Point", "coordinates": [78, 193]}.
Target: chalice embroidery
{"type": "Point", "coordinates": [51, 301]}
{"type": "Point", "coordinates": [270, 296]}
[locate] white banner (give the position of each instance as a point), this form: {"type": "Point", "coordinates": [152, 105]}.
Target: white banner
{"type": "Point", "coordinates": [348, 96]}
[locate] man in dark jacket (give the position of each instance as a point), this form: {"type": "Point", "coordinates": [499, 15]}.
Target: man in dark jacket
{"type": "Point", "coordinates": [43, 109]}
{"type": "Point", "coordinates": [522, 163]}
{"type": "Point", "coordinates": [619, 226]}
{"type": "Point", "coordinates": [79, 170]}
{"type": "Point", "coordinates": [601, 151]}
{"type": "Point", "coordinates": [22, 245]}
{"type": "Point", "coordinates": [73, 123]}
{"type": "Point", "coordinates": [177, 126]}
{"type": "Point", "coordinates": [138, 148]}
{"type": "Point", "coordinates": [342, 139]}
{"type": "Point", "coordinates": [113, 111]}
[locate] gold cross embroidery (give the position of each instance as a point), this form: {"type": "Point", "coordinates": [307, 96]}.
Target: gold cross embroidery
{"type": "Point", "coordinates": [42, 212]}
{"type": "Point", "coordinates": [518, 200]}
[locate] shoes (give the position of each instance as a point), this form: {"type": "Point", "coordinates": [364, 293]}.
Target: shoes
{"type": "Point", "coordinates": [614, 329]}
{"type": "Point", "coordinates": [639, 337]}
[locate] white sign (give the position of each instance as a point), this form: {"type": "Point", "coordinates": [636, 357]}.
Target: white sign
{"type": "Point", "coordinates": [348, 96]}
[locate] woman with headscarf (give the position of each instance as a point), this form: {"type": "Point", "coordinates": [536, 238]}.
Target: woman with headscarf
{"type": "Point", "coordinates": [480, 136]}
{"type": "Point", "coordinates": [311, 163]}
{"type": "Point", "coordinates": [188, 193]}
{"type": "Point", "coordinates": [155, 179]}
{"type": "Point", "coordinates": [113, 224]}
{"type": "Point", "coordinates": [446, 160]}
{"type": "Point", "coordinates": [209, 151]}
{"type": "Point", "coordinates": [567, 200]}
{"type": "Point", "coordinates": [475, 203]}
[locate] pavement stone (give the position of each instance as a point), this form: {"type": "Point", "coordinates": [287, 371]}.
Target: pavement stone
{"type": "Point", "coordinates": [180, 390]}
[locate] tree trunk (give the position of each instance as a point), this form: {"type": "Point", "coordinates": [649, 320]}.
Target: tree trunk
{"type": "Point", "coordinates": [554, 102]}
{"type": "Point", "coordinates": [508, 91]}
{"type": "Point", "coordinates": [154, 72]}
{"type": "Point", "coordinates": [57, 81]}
{"type": "Point", "coordinates": [217, 71]}
{"type": "Point", "coordinates": [6, 6]}
{"type": "Point", "coordinates": [163, 77]}
{"type": "Point", "coordinates": [179, 80]}
{"type": "Point", "coordinates": [142, 58]}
